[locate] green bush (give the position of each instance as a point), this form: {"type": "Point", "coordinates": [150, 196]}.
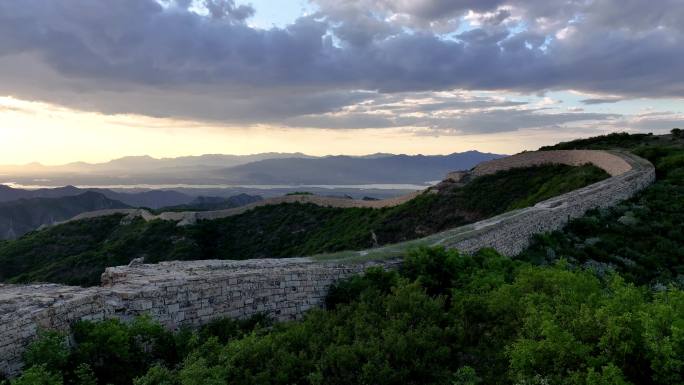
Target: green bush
{"type": "Point", "coordinates": [599, 302]}
{"type": "Point", "coordinates": [158, 375]}
{"type": "Point", "coordinates": [484, 319]}
{"type": "Point", "coordinates": [50, 351]}
{"type": "Point", "coordinates": [38, 375]}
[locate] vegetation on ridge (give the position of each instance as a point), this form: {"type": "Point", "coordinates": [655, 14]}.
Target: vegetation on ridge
{"type": "Point", "coordinates": [445, 318]}
{"type": "Point", "coordinates": [78, 252]}
{"type": "Point", "coordinates": [641, 238]}
{"type": "Point", "coordinates": [25, 215]}
{"type": "Point", "coordinates": [598, 303]}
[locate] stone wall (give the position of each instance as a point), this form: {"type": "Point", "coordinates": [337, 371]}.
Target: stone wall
{"type": "Point", "coordinates": [510, 233]}
{"type": "Point", "coordinates": [190, 217]}
{"type": "Point", "coordinates": [174, 293]}
{"type": "Point", "coordinates": [613, 163]}
{"type": "Point", "coordinates": [192, 293]}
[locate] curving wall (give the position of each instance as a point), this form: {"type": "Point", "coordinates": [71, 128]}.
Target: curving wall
{"type": "Point", "coordinates": [509, 233]}
{"type": "Point", "coordinates": [190, 217]}
{"type": "Point", "coordinates": [192, 293]}
{"type": "Point", "coordinates": [612, 162]}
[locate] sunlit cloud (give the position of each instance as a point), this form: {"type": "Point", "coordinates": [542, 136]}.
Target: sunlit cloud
{"type": "Point", "coordinates": [98, 79]}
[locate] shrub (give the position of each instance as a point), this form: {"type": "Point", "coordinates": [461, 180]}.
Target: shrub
{"type": "Point", "coordinates": [38, 375]}
{"type": "Point", "coordinates": [50, 351]}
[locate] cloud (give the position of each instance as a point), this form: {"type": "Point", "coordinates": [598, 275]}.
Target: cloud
{"type": "Point", "coordinates": [171, 59]}
{"type": "Point", "coordinates": [477, 122]}
{"type": "Point", "coordinates": [659, 122]}
{"type": "Point", "coordinates": [602, 100]}
{"type": "Point", "coordinates": [449, 114]}
{"type": "Point", "coordinates": [226, 9]}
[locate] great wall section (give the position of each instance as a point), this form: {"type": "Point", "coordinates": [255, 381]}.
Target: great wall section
{"type": "Point", "coordinates": [190, 217]}
{"type": "Point", "coordinates": [192, 293]}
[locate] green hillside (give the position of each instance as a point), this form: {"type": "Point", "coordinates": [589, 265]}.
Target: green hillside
{"type": "Point", "coordinates": [642, 238]}
{"type": "Point", "coordinates": [21, 216]}
{"type": "Point", "coordinates": [78, 252]}
{"type": "Point", "coordinates": [599, 303]}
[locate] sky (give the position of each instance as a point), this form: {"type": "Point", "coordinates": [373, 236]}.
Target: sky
{"type": "Point", "coordinates": [93, 80]}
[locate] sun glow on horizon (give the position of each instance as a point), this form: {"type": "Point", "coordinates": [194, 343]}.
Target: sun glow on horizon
{"type": "Point", "coordinates": [49, 134]}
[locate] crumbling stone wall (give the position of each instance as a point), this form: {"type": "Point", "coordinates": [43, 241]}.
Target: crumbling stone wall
{"type": "Point", "coordinates": [194, 292]}
{"type": "Point", "coordinates": [173, 293]}
{"type": "Point", "coordinates": [191, 217]}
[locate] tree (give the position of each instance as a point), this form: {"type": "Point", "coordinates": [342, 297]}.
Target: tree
{"type": "Point", "coordinates": [50, 350]}
{"type": "Point", "coordinates": [38, 375]}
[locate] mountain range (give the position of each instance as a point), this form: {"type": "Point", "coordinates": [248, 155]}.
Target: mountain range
{"type": "Point", "coordinates": [348, 170]}
{"type": "Point", "coordinates": [146, 163]}
{"type": "Point", "coordinates": [24, 210]}
{"type": "Point", "coordinates": [259, 169]}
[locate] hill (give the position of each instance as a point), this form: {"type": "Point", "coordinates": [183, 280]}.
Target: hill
{"type": "Point", "coordinates": [78, 252]}
{"type": "Point", "coordinates": [152, 199]}
{"type": "Point", "coordinates": [8, 193]}
{"type": "Point", "coordinates": [203, 203]}
{"type": "Point", "coordinates": [346, 170]}
{"type": "Point", "coordinates": [25, 215]}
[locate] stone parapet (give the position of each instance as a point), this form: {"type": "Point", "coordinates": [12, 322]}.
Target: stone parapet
{"type": "Point", "coordinates": [173, 293]}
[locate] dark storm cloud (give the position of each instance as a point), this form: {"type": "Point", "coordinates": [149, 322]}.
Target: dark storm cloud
{"type": "Point", "coordinates": [138, 56]}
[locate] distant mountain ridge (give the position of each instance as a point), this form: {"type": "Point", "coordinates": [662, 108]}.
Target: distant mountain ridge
{"type": "Point", "coordinates": [152, 199]}
{"type": "Point", "coordinates": [25, 215]}
{"type": "Point", "coordinates": [355, 170]}
{"type": "Point", "coordinates": [203, 203]}
{"type": "Point", "coordinates": [258, 169]}
{"type": "Point", "coordinates": [144, 163]}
